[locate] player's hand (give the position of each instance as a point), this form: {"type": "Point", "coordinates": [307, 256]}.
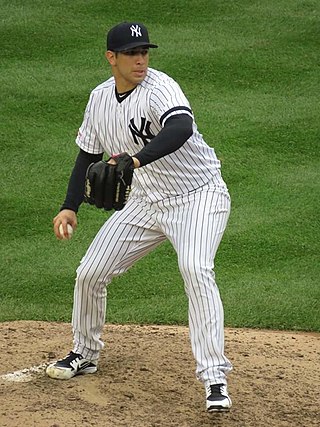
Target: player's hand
{"type": "Point", "coordinates": [136, 163]}
{"type": "Point", "coordinates": [66, 216]}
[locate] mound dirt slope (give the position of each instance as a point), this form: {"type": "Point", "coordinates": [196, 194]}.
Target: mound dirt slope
{"type": "Point", "coordinates": [146, 379]}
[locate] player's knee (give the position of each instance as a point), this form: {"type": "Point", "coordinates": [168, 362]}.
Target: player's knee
{"type": "Point", "coordinates": [195, 274]}
{"type": "Point", "coordinates": [89, 276]}
{"type": "Point", "coordinates": [190, 270]}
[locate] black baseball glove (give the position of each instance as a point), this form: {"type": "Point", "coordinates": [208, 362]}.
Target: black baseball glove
{"type": "Point", "coordinates": [108, 186]}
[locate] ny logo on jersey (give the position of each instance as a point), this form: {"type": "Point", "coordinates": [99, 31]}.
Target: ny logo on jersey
{"type": "Point", "coordinates": [135, 30]}
{"type": "Point", "coordinates": [144, 132]}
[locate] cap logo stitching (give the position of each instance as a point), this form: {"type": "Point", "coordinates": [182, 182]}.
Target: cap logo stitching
{"type": "Point", "coordinates": [135, 30]}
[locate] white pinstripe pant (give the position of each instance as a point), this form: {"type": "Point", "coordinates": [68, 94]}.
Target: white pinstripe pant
{"type": "Point", "coordinates": [194, 223]}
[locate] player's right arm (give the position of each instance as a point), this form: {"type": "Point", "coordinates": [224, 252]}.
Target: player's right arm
{"type": "Point", "coordinates": [90, 151]}
{"type": "Point", "coordinates": [75, 192]}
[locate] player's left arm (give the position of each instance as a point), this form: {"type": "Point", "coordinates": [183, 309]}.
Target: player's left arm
{"type": "Point", "coordinates": [176, 131]}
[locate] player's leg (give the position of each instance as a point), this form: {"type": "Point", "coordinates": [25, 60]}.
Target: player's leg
{"type": "Point", "coordinates": [127, 236]}
{"type": "Point", "coordinates": [195, 230]}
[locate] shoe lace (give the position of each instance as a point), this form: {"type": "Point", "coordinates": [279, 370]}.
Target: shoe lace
{"type": "Point", "coordinates": [216, 389]}
{"type": "Point", "coordinates": [71, 357]}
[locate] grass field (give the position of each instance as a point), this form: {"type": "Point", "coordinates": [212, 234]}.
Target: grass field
{"type": "Point", "coordinates": [251, 72]}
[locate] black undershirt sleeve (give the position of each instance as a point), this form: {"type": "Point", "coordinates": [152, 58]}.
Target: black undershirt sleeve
{"type": "Point", "coordinates": [75, 191]}
{"type": "Point", "coordinates": [172, 136]}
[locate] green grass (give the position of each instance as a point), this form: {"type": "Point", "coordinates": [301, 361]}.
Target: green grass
{"type": "Point", "coordinates": [251, 72]}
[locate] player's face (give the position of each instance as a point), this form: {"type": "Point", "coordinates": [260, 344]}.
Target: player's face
{"type": "Point", "coordinates": [129, 67]}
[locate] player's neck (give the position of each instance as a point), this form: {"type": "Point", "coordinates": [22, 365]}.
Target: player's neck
{"type": "Point", "coordinates": [123, 95]}
{"type": "Point", "coordinates": [123, 88]}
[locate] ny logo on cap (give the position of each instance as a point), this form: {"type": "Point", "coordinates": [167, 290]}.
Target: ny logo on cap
{"type": "Point", "coordinates": [135, 30]}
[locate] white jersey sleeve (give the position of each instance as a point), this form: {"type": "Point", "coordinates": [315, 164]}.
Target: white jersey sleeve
{"type": "Point", "coordinates": [167, 99]}
{"type": "Point", "coordinates": [87, 138]}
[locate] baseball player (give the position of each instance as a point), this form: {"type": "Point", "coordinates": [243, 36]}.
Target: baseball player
{"type": "Point", "coordinates": [177, 194]}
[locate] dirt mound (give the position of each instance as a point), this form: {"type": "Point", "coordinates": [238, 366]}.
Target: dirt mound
{"type": "Point", "coordinates": [146, 379]}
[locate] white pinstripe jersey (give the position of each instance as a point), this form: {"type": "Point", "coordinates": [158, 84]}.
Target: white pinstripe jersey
{"type": "Point", "coordinates": [113, 127]}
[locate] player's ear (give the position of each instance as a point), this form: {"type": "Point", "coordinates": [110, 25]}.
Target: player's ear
{"type": "Point", "coordinates": [111, 57]}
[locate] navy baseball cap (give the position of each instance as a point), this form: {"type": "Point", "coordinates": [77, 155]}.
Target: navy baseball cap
{"type": "Point", "coordinates": [128, 35]}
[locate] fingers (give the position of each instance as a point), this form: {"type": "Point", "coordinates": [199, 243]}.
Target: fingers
{"type": "Point", "coordinates": [64, 218]}
{"type": "Point", "coordinates": [111, 161]}
{"type": "Point", "coordinates": [136, 162]}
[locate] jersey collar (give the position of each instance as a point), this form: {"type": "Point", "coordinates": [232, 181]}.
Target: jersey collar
{"type": "Point", "coordinates": [122, 96]}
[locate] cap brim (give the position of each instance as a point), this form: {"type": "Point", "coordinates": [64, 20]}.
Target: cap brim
{"type": "Point", "coordinates": [133, 45]}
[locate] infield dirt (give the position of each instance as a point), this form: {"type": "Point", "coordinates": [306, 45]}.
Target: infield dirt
{"type": "Point", "coordinates": [146, 379]}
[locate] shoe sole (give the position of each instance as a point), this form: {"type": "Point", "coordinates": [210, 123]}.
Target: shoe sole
{"type": "Point", "coordinates": [217, 409]}
{"type": "Point", "coordinates": [67, 374]}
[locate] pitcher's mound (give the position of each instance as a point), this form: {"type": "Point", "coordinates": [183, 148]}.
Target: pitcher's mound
{"type": "Point", "coordinates": [146, 378]}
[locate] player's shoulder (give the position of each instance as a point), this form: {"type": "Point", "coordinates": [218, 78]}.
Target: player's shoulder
{"type": "Point", "coordinates": [104, 86]}
{"type": "Point", "coordinates": [156, 78]}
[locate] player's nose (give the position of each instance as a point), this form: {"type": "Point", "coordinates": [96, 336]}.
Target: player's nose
{"type": "Point", "coordinates": [140, 58]}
